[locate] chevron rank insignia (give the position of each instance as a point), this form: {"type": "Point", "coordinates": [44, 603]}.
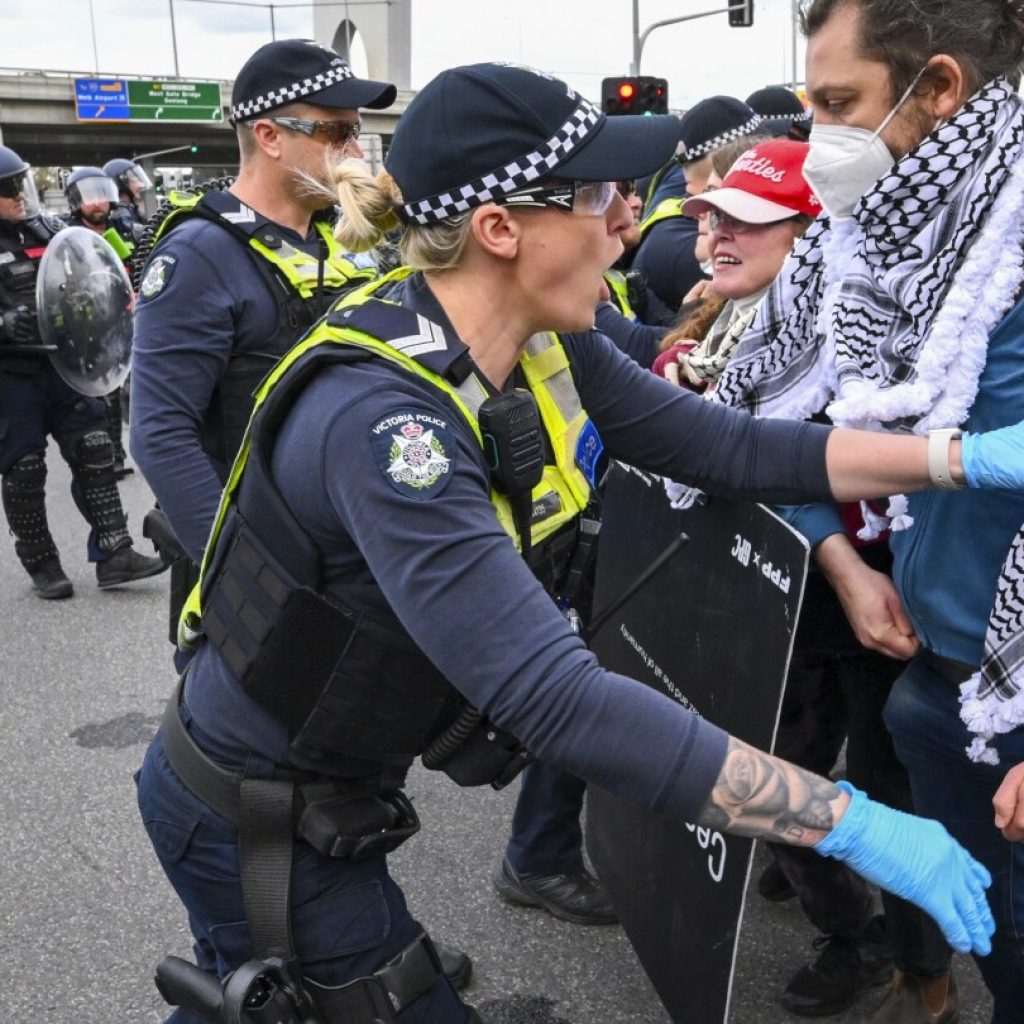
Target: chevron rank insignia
{"type": "Point", "coordinates": [415, 452]}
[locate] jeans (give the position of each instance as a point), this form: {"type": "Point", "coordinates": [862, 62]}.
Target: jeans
{"type": "Point", "coordinates": [546, 836]}
{"type": "Point", "coordinates": [347, 919]}
{"type": "Point", "coordinates": [922, 714]}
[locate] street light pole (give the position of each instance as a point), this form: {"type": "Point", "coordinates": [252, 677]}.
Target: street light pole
{"type": "Point", "coordinates": [794, 18]}
{"type": "Point", "coordinates": [639, 40]}
{"type": "Point", "coordinates": [174, 39]}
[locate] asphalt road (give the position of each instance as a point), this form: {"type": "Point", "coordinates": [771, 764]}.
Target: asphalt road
{"type": "Point", "coordinates": [86, 912]}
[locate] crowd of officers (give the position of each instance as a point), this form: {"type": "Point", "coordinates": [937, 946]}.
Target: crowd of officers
{"type": "Point", "coordinates": [229, 276]}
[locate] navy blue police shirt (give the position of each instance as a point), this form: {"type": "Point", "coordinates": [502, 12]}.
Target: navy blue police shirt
{"type": "Point", "coordinates": [202, 295]}
{"type": "Point", "coordinates": [426, 532]}
{"type": "Point", "coordinates": [637, 340]}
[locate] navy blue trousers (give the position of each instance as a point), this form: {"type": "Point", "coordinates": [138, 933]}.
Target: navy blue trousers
{"type": "Point", "coordinates": [546, 836]}
{"type": "Point", "coordinates": [347, 919]}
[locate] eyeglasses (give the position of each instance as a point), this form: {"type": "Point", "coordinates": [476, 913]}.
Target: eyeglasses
{"type": "Point", "coordinates": [717, 219]}
{"type": "Point", "coordinates": [335, 132]}
{"type": "Point", "coordinates": [12, 187]}
{"type": "Point", "coordinates": [588, 197]}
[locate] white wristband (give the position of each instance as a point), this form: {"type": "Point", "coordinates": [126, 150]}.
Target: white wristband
{"type": "Point", "coordinates": [938, 458]}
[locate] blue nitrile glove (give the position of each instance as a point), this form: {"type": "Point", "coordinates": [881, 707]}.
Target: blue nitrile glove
{"type": "Point", "coordinates": [995, 458]}
{"type": "Point", "coordinates": [917, 859]}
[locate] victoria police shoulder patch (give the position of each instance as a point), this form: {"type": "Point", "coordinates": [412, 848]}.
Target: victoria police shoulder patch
{"type": "Point", "coordinates": [158, 273]}
{"type": "Point", "coordinates": [415, 452]}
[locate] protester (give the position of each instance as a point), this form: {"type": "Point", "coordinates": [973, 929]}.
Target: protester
{"type": "Point", "coordinates": [902, 310]}
{"type": "Point", "coordinates": [835, 689]}
{"type": "Point", "coordinates": [373, 474]}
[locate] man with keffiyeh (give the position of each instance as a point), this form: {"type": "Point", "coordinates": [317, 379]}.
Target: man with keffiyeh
{"type": "Point", "coordinates": [903, 311]}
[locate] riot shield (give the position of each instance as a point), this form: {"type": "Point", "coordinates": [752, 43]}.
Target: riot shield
{"type": "Point", "coordinates": [84, 303]}
{"type": "Point", "coordinates": [711, 626]}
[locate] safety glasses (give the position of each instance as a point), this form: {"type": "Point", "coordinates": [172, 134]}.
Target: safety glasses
{"type": "Point", "coordinates": [336, 133]}
{"type": "Point", "coordinates": [13, 186]}
{"type": "Point", "coordinates": [587, 197]}
{"type": "Point", "coordinates": [717, 219]}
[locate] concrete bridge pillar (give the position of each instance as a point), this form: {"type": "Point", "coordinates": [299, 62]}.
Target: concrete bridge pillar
{"type": "Point", "coordinates": [386, 31]}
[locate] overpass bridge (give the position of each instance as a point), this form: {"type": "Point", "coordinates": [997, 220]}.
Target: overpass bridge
{"type": "Point", "coordinates": [37, 118]}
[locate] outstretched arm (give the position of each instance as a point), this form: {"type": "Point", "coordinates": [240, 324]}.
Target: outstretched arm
{"type": "Point", "coordinates": [759, 795]}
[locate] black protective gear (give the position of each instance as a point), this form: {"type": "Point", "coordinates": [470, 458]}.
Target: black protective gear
{"type": "Point", "coordinates": [115, 426]}
{"type": "Point", "coordinates": [50, 582]}
{"type": "Point", "coordinates": [20, 326]}
{"type": "Point", "coordinates": [11, 163]}
{"type": "Point", "coordinates": [24, 500]}
{"type": "Point", "coordinates": [91, 457]}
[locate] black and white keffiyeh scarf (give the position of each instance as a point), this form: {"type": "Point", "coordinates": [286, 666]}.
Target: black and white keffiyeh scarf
{"type": "Point", "coordinates": [883, 321]}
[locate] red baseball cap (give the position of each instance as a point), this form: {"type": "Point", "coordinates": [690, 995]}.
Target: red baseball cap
{"type": "Point", "coordinates": [765, 184]}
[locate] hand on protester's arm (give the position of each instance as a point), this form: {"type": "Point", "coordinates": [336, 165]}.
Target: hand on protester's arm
{"type": "Point", "coordinates": [1009, 804]}
{"type": "Point", "coordinates": [869, 598]}
{"type": "Point", "coordinates": [762, 796]}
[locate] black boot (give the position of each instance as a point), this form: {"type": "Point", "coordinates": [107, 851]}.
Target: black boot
{"type": "Point", "coordinates": [577, 898]}
{"type": "Point", "coordinates": [49, 581]}
{"type": "Point", "coordinates": [844, 970]}
{"type": "Point", "coordinates": [126, 565]}
{"type": "Point", "coordinates": [457, 966]}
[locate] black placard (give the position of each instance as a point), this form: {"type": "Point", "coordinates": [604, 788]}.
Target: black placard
{"type": "Point", "coordinates": [712, 627]}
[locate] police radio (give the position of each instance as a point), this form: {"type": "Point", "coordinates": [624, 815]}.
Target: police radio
{"type": "Point", "coordinates": [514, 447]}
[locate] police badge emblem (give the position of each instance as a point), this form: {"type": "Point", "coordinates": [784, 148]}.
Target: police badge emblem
{"type": "Point", "coordinates": [157, 275]}
{"type": "Point", "coordinates": [415, 452]}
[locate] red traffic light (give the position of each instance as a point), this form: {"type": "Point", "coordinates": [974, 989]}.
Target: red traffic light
{"type": "Point", "coordinates": [626, 91]}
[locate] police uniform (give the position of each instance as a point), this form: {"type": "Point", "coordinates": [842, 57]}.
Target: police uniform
{"type": "Point", "coordinates": [363, 589]}
{"type": "Point", "coordinates": [618, 320]}
{"type": "Point", "coordinates": [36, 402]}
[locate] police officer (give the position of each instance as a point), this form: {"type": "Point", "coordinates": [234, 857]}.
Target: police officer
{"type": "Point", "coordinates": [92, 198]}
{"type": "Point", "coordinates": [364, 600]}
{"type": "Point", "coordinates": [131, 182]}
{"type": "Point", "coordinates": [35, 402]}
{"type": "Point", "coordinates": [665, 256]}
{"type": "Point", "coordinates": [235, 277]}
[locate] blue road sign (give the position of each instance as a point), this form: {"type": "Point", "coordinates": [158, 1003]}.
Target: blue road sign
{"type": "Point", "coordinates": [101, 99]}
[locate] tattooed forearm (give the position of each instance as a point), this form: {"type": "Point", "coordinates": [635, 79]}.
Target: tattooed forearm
{"type": "Point", "coordinates": [760, 795]}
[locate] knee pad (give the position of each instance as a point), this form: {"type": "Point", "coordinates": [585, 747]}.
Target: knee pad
{"type": "Point", "coordinates": [94, 451]}
{"type": "Point", "coordinates": [27, 474]}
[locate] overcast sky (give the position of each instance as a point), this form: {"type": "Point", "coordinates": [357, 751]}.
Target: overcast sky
{"type": "Point", "coordinates": [580, 40]}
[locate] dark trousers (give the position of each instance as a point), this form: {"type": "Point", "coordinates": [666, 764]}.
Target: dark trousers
{"type": "Point", "coordinates": [923, 715]}
{"type": "Point", "coordinates": [546, 836]}
{"type": "Point", "coordinates": [836, 690]}
{"type": "Point", "coordinates": [33, 406]}
{"type": "Point", "coordinates": [347, 919]}
{"type": "Point", "coordinates": [829, 698]}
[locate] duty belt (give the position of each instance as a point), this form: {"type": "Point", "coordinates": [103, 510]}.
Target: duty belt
{"type": "Point", "coordinates": [956, 672]}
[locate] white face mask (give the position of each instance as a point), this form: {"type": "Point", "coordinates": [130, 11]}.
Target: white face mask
{"type": "Point", "coordinates": [707, 267]}
{"type": "Point", "coordinates": [844, 162]}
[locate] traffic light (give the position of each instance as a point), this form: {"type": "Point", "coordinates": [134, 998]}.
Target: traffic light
{"type": "Point", "coordinates": [193, 148]}
{"type": "Point", "coordinates": [643, 95]}
{"type": "Point", "coordinates": [741, 13]}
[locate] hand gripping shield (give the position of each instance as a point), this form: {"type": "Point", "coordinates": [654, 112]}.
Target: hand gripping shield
{"type": "Point", "coordinates": [84, 299]}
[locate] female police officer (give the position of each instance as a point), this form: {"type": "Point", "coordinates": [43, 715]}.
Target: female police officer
{"type": "Point", "coordinates": [363, 598]}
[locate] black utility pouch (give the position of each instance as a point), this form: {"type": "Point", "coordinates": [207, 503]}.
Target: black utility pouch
{"type": "Point", "coordinates": [488, 756]}
{"type": "Point", "coordinates": [357, 828]}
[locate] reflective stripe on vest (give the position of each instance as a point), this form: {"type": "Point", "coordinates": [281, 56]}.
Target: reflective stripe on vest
{"type": "Point", "coordinates": [298, 268]}
{"type": "Point", "coordinates": [564, 490]}
{"type": "Point", "coordinates": [666, 209]}
{"type": "Point", "coordinates": [616, 281]}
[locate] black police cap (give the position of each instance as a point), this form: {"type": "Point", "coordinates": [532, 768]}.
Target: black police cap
{"type": "Point", "coordinates": [485, 130]}
{"type": "Point", "coordinates": [712, 123]}
{"type": "Point", "coordinates": [294, 70]}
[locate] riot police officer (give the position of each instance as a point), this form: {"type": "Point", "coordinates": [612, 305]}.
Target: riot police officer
{"type": "Point", "coordinates": [364, 601]}
{"type": "Point", "coordinates": [131, 182]}
{"type": "Point", "coordinates": [35, 402]}
{"type": "Point", "coordinates": [92, 198]}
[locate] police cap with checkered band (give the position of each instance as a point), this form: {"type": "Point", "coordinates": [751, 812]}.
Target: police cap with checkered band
{"type": "Point", "coordinates": [485, 130]}
{"type": "Point", "coordinates": [300, 70]}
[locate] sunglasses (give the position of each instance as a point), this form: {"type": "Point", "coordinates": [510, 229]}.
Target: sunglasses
{"type": "Point", "coordinates": [12, 187]}
{"type": "Point", "coordinates": [335, 132]}
{"type": "Point", "coordinates": [589, 197]}
{"type": "Point", "coordinates": [717, 219]}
